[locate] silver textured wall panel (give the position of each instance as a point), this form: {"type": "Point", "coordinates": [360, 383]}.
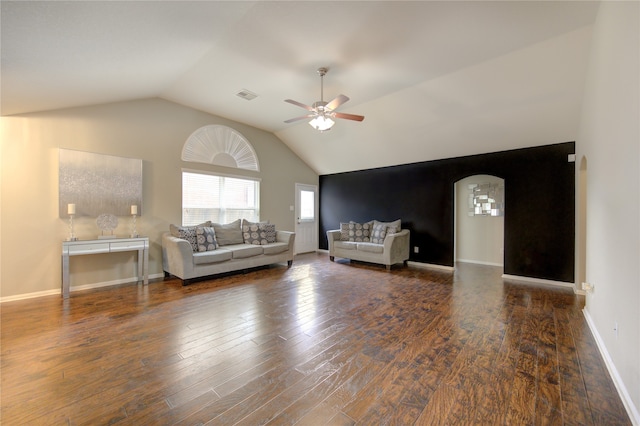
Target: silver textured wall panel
{"type": "Point", "coordinates": [98, 183]}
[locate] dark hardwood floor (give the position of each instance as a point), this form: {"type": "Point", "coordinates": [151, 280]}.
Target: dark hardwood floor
{"type": "Point", "coordinates": [320, 343]}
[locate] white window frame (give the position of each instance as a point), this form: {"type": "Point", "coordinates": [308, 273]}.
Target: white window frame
{"type": "Point", "coordinates": [223, 209]}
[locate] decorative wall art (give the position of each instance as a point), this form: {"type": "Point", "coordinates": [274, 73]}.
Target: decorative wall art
{"type": "Point", "coordinates": [99, 184]}
{"type": "Point", "coordinates": [486, 199]}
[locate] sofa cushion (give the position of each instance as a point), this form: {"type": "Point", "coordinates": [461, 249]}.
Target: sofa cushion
{"type": "Point", "coordinates": [345, 245]}
{"type": "Point", "coordinates": [242, 251]}
{"type": "Point", "coordinates": [230, 233]}
{"type": "Point", "coordinates": [378, 233]}
{"type": "Point", "coordinates": [371, 247]}
{"type": "Point", "coordinates": [354, 231]}
{"type": "Point", "coordinates": [205, 238]}
{"type": "Point", "coordinates": [275, 248]}
{"type": "Point", "coordinates": [211, 257]}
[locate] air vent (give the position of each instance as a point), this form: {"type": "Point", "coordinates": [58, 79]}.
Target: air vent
{"type": "Point", "coordinates": [246, 94]}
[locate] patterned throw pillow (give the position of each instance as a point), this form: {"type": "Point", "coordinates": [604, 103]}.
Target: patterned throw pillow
{"type": "Point", "coordinates": [353, 231]}
{"type": "Point", "coordinates": [250, 232]}
{"type": "Point", "coordinates": [205, 238]}
{"type": "Point", "coordinates": [378, 233]}
{"type": "Point", "coordinates": [259, 233]}
{"type": "Point", "coordinates": [395, 223]}
{"type": "Point", "coordinates": [269, 232]}
{"type": "Point", "coordinates": [186, 233]}
{"type": "Point", "coordinates": [344, 231]}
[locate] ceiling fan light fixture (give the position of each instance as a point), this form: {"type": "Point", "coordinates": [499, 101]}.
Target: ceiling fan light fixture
{"type": "Point", "coordinates": [322, 123]}
{"type": "Point", "coordinates": [322, 113]}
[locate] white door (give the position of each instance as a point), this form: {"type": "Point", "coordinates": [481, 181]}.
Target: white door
{"type": "Point", "coordinates": [306, 222]}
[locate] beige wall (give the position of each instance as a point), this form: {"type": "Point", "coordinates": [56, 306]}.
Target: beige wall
{"type": "Point", "coordinates": [609, 140]}
{"type": "Point", "coordinates": [479, 239]}
{"type": "Point", "coordinates": [153, 130]}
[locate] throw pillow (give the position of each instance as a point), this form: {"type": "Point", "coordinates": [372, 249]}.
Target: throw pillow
{"type": "Point", "coordinates": [395, 223]}
{"type": "Point", "coordinates": [205, 238]}
{"type": "Point", "coordinates": [259, 233]}
{"type": "Point", "coordinates": [175, 229]}
{"type": "Point", "coordinates": [251, 232]}
{"type": "Point", "coordinates": [378, 233]}
{"type": "Point", "coordinates": [269, 233]}
{"type": "Point", "coordinates": [344, 231]}
{"type": "Point", "coordinates": [359, 232]}
{"type": "Point", "coordinates": [186, 233]}
{"type": "Point", "coordinates": [230, 233]}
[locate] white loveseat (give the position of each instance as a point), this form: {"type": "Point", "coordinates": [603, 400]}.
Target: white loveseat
{"type": "Point", "coordinates": [187, 261]}
{"type": "Point", "coordinates": [383, 243]}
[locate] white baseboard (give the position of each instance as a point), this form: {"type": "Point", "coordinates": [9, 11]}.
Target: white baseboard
{"type": "Point", "coordinates": [29, 295]}
{"type": "Point", "coordinates": [539, 281]}
{"type": "Point", "coordinates": [632, 410]}
{"type": "Point", "coordinates": [430, 266]}
{"type": "Point", "coordinates": [479, 262]}
{"type": "Point", "coordinates": [74, 288]}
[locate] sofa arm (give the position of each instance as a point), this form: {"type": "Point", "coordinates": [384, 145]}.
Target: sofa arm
{"type": "Point", "coordinates": [177, 256]}
{"type": "Point", "coordinates": [332, 235]}
{"type": "Point", "coordinates": [396, 247]}
{"type": "Point", "coordinates": [286, 237]}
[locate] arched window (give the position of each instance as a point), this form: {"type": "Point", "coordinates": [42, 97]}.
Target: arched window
{"type": "Point", "coordinates": [221, 146]}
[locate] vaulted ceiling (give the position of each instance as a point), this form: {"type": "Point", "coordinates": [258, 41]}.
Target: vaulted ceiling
{"type": "Point", "coordinates": [435, 79]}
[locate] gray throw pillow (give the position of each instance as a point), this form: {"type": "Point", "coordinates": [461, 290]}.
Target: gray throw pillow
{"type": "Point", "coordinates": [395, 223]}
{"type": "Point", "coordinates": [258, 233]}
{"type": "Point", "coordinates": [205, 238]}
{"type": "Point", "coordinates": [186, 233]}
{"type": "Point", "coordinates": [378, 233]}
{"type": "Point", "coordinates": [356, 232]}
{"type": "Point", "coordinates": [230, 233]}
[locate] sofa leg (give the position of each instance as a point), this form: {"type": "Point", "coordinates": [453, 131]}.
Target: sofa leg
{"type": "Point", "coordinates": [331, 258]}
{"type": "Point", "coordinates": [289, 263]}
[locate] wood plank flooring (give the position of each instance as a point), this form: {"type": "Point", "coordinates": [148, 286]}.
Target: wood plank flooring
{"type": "Point", "coordinates": [321, 343]}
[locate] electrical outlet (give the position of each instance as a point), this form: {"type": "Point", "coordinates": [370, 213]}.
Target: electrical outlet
{"type": "Point", "coordinates": [416, 249]}
{"type": "Point", "coordinates": [588, 287]}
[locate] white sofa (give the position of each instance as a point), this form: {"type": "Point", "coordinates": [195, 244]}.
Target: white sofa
{"type": "Point", "coordinates": [180, 260]}
{"type": "Point", "coordinates": [391, 249]}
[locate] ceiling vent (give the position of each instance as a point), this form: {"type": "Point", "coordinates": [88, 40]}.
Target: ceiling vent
{"type": "Point", "coordinates": [246, 94]}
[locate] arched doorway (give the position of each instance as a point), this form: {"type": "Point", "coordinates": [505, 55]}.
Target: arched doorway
{"type": "Point", "coordinates": [479, 230]}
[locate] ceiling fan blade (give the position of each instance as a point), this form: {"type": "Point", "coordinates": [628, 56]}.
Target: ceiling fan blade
{"type": "Point", "coordinates": [301, 105]}
{"type": "Point", "coordinates": [348, 116]}
{"type": "Point", "coordinates": [291, 120]}
{"type": "Point", "coordinates": [339, 100]}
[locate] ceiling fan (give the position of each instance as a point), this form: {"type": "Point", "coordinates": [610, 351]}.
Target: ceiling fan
{"type": "Point", "coordinates": [321, 112]}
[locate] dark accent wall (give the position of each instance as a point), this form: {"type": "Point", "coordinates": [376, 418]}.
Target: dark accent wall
{"type": "Point", "coordinates": [539, 206]}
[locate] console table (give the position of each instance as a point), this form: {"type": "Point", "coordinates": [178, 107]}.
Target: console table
{"type": "Point", "coordinates": [112, 245]}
